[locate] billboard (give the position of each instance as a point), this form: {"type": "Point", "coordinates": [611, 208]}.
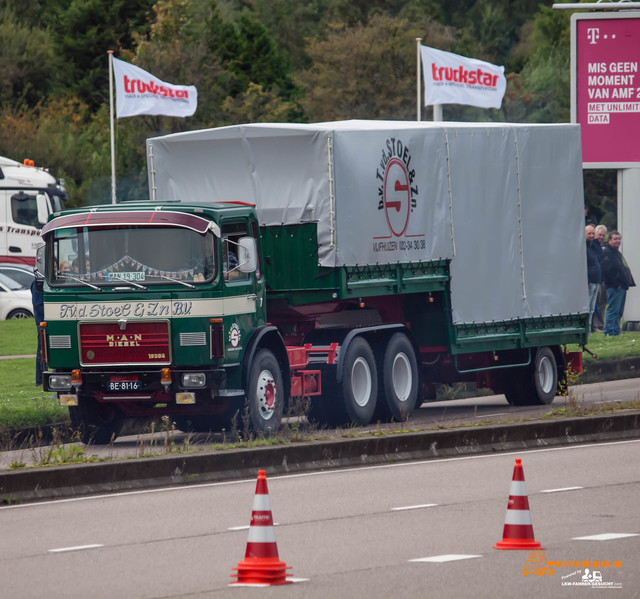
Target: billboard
{"type": "Point", "coordinates": [605, 87]}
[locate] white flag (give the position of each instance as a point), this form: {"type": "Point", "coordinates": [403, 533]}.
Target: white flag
{"type": "Point", "coordinates": [139, 92]}
{"type": "Point", "coordinates": [453, 79]}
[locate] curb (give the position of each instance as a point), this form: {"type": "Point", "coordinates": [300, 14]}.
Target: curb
{"type": "Point", "coordinates": [180, 469]}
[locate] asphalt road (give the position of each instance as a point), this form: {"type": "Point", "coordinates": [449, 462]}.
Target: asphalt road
{"type": "Point", "coordinates": [345, 533]}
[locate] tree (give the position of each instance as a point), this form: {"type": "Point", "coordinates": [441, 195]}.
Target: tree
{"type": "Point", "coordinates": [366, 71]}
{"type": "Point", "coordinates": [28, 62]}
{"type": "Point", "coordinates": [85, 30]}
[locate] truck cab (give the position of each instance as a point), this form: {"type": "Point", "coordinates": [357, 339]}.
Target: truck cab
{"type": "Point", "coordinates": [28, 196]}
{"type": "Point", "coordinates": [150, 310]}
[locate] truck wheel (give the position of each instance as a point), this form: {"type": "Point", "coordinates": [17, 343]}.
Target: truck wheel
{"type": "Point", "coordinates": [399, 381]}
{"type": "Point", "coordinates": [533, 385]}
{"type": "Point", "coordinates": [545, 377]}
{"type": "Point", "coordinates": [359, 387]}
{"type": "Point", "coordinates": [96, 422]}
{"type": "Point", "coordinates": [265, 392]}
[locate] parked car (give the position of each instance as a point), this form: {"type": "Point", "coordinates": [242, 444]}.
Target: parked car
{"type": "Point", "coordinates": [22, 274]}
{"type": "Point", "coordinates": [15, 300]}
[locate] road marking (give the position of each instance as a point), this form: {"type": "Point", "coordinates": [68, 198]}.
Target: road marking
{"type": "Point", "coordinates": [413, 507]}
{"type": "Point", "coordinates": [78, 548]}
{"type": "Point", "coordinates": [608, 536]}
{"type": "Point", "coordinates": [252, 480]}
{"type": "Point", "coordinates": [450, 557]}
{"type": "Point", "coordinates": [562, 489]}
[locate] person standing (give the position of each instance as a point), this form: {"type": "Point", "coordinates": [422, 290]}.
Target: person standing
{"type": "Point", "coordinates": [616, 275]}
{"type": "Point", "coordinates": [594, 272]}
{"type": "Point", "coordinates": [38, 313]}
{"type": "Point", "coordinates": [601, 301]}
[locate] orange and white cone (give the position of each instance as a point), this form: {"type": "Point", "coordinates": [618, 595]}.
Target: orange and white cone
{"type": "Point", "coordinates": [518, 530]}
{"type": "Point", "coordinates": [261, 564]}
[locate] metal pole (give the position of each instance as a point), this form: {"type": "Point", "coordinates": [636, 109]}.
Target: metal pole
{"type": "Point", "coordinates": [419, 102]}
{"type": "Point", "coordinates": [113, 145]}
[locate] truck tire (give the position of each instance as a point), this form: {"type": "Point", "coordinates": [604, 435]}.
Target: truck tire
{"type": "Point", "coordinates": [398, 385]}
{"type": "Point", "coordinates": [358, 390]}
{"type": "Point", "coordinates": [265, 392]}
{"type": "Point", "coordinates": [533, 385]}
{"type": "Point", "coordinates": [96, 422]}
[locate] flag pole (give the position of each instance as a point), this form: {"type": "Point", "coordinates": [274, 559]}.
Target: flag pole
{"type": "Point", "coordinates": [113, 145]}
{"type": "Point", "coordinates": [419, 102]}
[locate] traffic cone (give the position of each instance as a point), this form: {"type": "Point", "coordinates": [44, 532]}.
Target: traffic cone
{"type": "Point", "coordinates": [518, 530]}
{"type": "Point", "coordinates": [261, 563]}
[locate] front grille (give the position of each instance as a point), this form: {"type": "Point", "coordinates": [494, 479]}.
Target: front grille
{"type": "Point", "coordinates": [137, 343]}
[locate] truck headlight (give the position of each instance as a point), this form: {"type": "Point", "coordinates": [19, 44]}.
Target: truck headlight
{"type": "Point", "coordinates": [60, 382]}
{"type": "Point", "coordinates": [194, 380]}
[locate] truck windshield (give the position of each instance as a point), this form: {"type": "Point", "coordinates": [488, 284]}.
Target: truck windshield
{"type": "Point", "coordinates": [135, 255]}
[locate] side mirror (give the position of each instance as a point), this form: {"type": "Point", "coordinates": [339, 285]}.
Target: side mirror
{"type": "Point", "coordinates": [38, 271]}
{"type": "Point", "coordinates": [42, 204]}
{"type": "Point", "coordinates": [247, 255]}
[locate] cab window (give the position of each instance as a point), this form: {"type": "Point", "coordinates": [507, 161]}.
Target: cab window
{"type": "Point", "coordinates": [231, 234]}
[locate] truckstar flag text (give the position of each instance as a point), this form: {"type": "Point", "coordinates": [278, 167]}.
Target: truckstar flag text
{"type": "Point", "coordinates": [453, 79]}
{"type": "Point", "coordinates": [139, 92]}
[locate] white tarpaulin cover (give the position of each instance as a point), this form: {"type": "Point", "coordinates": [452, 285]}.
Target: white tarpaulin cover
{"type": "Point", "coordinates": [503, 202]}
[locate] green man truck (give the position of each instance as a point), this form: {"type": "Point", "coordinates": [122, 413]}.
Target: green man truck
{"type": "Point", "coordinates": [358, 265]}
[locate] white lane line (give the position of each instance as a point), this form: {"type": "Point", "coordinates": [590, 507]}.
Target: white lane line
{"type": "Point", "coordinates": [450, 557]}
{"type": "Point", "coordinates": [339, 471]}
{"type": "Point", "coordinates": [562, 489]}
{"type": "Point", "coordinates": [608, 536]}
{"type": "Point", "coordinates": [78, 548]}
{"type": "Point", "coordinates": [413, 507]}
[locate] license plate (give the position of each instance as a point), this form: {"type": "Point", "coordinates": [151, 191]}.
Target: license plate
{"type": "Point", "coordinates": [124, 385]}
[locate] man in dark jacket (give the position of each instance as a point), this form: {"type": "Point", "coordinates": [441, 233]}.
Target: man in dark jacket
{"type": "Point", "coordinates": [617, 277]}
{"type": "Point", "coordinates": [594, 272]}
{"type": "Point", "coordinates": [38, 313]}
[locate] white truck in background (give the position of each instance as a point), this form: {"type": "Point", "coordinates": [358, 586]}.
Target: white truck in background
{"type": "Point", "coordinates": [28, 195]}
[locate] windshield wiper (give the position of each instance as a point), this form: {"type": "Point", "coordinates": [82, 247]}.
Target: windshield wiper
{"type": "Point", "coordinates": [132, 283]}
{"type": "Point", "coordinates": [66, 276]}
{"type": "Point", "coordinates": [178, 281]}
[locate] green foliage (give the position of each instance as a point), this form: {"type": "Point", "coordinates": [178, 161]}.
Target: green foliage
{"type": "Point", "coordinates": [28, 63]}
{"type": "Point", "coordinates": [84, 30]}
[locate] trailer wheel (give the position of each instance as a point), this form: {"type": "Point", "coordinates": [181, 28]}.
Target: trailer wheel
{"type": "Point", "coordinates": [359, 386]}
{"type": "Point", "coordinates": [96, 422]}
{"type": "Point", "coordinates": [533, 385]}
{"type": "Point", "coordinates": [545, 377]}
{"type": "Point", "coordinates": [399, 380]}
{"type": "Point", "coordinates": [265, 392]}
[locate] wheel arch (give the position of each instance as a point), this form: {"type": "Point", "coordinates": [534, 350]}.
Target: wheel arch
{"type": "Point", "coordinates": [267, 337]}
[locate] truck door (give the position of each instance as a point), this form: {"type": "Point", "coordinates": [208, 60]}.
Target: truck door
{"type": "Point", "coordinates": [243, 290]}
